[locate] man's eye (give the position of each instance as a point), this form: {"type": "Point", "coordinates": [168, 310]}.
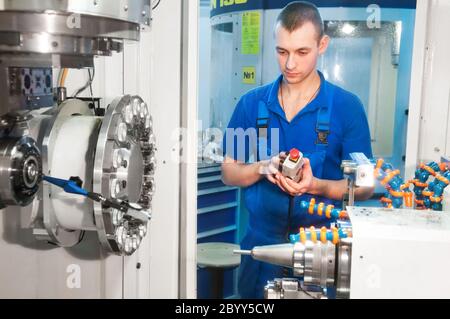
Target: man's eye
{"type": "Point", "coordinates": [282, 52]}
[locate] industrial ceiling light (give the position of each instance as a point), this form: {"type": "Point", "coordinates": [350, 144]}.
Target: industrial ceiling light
{"type": "Point", "coordinates": [348, 29]}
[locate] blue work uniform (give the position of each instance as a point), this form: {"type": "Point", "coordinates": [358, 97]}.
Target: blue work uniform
{"type": "Point", "coordinates": [347, 131]}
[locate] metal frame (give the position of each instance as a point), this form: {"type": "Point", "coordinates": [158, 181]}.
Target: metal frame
{"type": "Point", "coordinates": [417, 88]}
{"type": "Point", "coordinates": [188, 182]}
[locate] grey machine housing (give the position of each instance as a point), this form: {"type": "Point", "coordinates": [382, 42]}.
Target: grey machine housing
{"type": "Point", "coordinates": [35, 38]}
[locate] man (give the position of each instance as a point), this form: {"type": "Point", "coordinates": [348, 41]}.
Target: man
{"type": "Point", "coordinates": [321, 120]}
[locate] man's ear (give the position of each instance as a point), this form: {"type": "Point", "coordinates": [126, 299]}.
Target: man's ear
{"type": "Point", "coordinates": [323, 44]}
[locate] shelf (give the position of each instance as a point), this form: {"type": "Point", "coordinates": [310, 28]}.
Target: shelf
{"type": "Point", "coordinates": [216, 190]}
{"type": "Point", "coordinates": [216, 232]}
{"type": "Point", "coordinates": [206, 170]}
{"type": "Point", "coordinates": [216, 208]}
{"type": "Point", "coordinates": [209, 179]}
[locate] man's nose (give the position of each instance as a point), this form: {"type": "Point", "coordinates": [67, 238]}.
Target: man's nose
{"type": "Point", "coordinates": [290, 63]}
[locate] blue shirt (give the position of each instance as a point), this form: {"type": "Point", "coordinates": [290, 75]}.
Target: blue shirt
{"type": "Point", "coordinates": [266, 203]}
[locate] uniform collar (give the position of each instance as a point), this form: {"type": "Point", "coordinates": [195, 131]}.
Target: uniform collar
{"type": "Point", "coordinates": [320, 101]}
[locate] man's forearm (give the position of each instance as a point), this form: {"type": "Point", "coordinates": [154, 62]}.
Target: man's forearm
{"type": "Point", "coordinates": [336, 189]}
{"type": "Point", "coordinates": [239, 174]}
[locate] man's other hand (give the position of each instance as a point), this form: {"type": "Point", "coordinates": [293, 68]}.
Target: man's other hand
{"type": "Point", "coordinates": [305, 185]}
{"type": "Point", "coordinates": [270, 168]}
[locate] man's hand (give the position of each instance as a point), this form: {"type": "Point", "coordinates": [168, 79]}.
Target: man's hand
{"type": "Point", "coordinates": [305, 185]}
{"type": "Point", "coordinates": [270, 168]}
{"type": "Point", "coordinates": [239, 174]}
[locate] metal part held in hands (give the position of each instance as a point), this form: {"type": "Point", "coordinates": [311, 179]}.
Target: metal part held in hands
{"type": "Point", "coordinates": [20, 171]}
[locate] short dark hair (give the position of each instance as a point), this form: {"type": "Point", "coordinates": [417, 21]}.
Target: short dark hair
{"type": "Point", "coordinates": [297, 13]}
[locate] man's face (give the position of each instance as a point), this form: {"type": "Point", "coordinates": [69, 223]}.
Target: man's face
{"type": "Point", "coordinates": [298, 51]}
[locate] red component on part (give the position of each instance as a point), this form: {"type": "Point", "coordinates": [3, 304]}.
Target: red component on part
{"type": "Point", "coordinates": [294, 154]}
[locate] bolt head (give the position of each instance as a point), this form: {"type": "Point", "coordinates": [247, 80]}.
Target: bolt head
{"type": "Point", "coordinates": [122, 132]}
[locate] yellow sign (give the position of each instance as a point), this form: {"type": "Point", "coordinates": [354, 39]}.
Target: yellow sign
{"type": "Point", "coordinates": [226, 3]}
{"type": "Point", "coordinates": [249, 75]}
{"type": "Point", "coordinates": [250, 32]}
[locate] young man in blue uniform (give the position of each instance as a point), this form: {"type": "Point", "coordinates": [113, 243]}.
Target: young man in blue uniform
{"type": "Point", "coordinates": [321, 120]}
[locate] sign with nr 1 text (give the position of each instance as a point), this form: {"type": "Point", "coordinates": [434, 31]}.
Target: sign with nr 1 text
{"type": "Point", "coordinates": [249, 75]}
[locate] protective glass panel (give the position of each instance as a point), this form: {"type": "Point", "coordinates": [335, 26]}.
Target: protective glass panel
{"type": "Point", "coordinates": [365, 62]}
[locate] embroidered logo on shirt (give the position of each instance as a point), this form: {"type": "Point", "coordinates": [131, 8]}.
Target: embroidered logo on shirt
{"type": "Point", "coordinates": [322, 137]}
